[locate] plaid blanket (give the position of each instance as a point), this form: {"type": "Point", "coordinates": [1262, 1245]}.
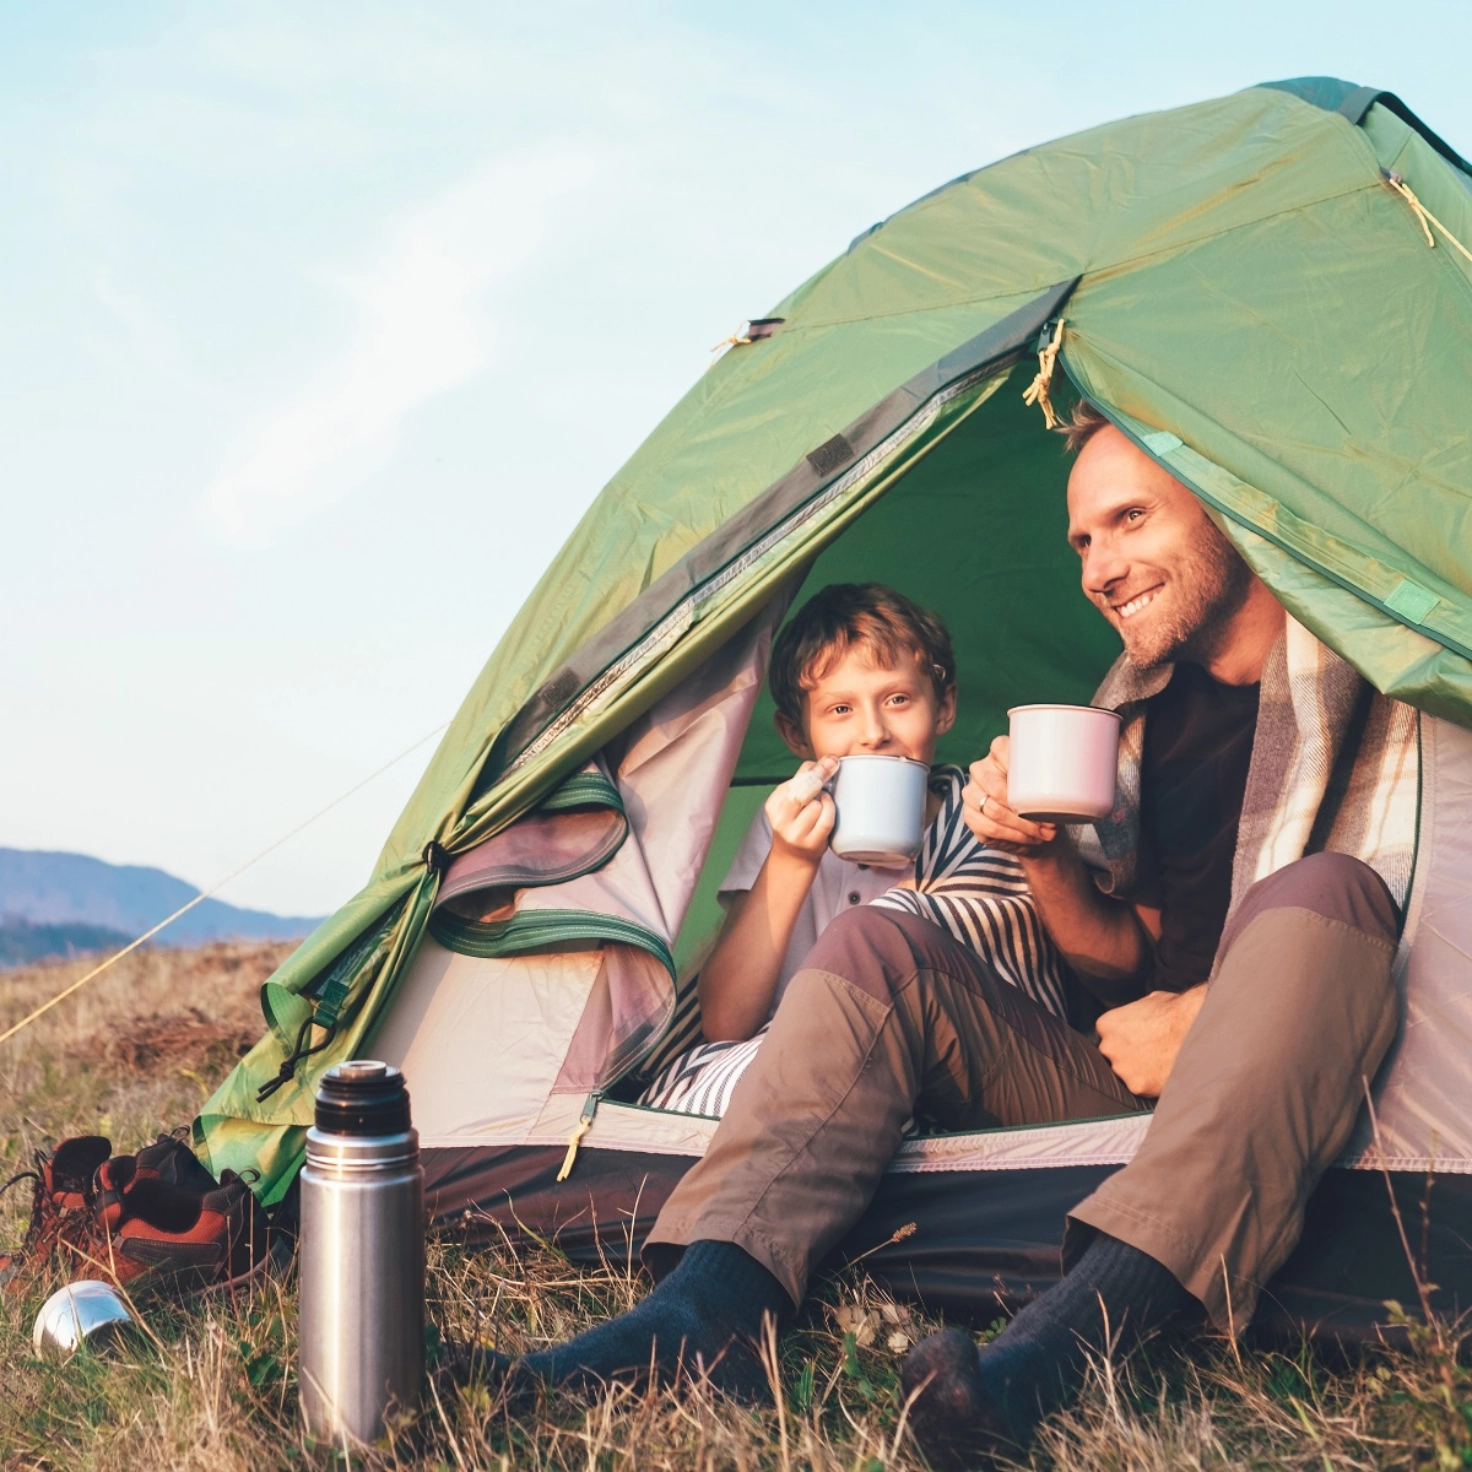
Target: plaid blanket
{"type": "Point", "coordinates": [1335, 767]}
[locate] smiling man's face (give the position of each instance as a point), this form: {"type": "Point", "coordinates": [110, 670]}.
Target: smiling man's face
{"type": "Point", "coordinates": [1153, 562]}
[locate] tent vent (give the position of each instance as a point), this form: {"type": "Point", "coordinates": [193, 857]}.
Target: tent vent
{"type": "Point", "coordinates": [831, 454]}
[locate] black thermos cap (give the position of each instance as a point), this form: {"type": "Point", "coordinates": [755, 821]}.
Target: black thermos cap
{"type": "Point", "coordinates": [362, 1098]}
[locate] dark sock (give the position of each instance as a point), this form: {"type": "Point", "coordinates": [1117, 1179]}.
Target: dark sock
{"type": "Point", "coordinates": [705, 1317]}
{"type": "Point", "coordinates": [985, 1399]}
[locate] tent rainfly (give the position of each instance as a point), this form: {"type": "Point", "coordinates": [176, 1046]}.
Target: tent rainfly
{"type": "Point", "coordinates": [1269, 294]}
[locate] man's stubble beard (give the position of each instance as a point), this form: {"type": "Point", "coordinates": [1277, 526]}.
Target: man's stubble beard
{"type": "Point", "coordinates": [1211, 585]}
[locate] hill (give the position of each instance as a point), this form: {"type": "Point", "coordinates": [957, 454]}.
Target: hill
{"type": "Point", "coordinates": [55, 904]}
{"type": "Point", "coordinates": [22, 943]}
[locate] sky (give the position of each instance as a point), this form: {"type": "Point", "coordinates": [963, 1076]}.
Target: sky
{"type": "Point", "coordinates": [324, 323]}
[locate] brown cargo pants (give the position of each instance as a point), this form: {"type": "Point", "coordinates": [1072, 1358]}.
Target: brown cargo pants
{"type": "Point", "coordinates": [890, 1013]}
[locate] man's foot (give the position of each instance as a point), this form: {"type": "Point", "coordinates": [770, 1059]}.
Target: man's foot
{"type": "Point", "coordinates": [952, 1413]}
{"type": "Point", "coordinates": [702, 1321]}
{"type": "Point", "coordinates": [969, 1403]}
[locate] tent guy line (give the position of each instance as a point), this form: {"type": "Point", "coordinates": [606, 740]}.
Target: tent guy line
{"type": "Point", "coordinates": [216, 887]}
{"type": "Point", "coordinates": [1423, 215]}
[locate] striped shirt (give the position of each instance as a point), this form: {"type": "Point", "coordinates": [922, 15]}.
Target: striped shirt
{"type": "Point", "coordinates": [980, 897]}
{"type": "Point", "coordinates": [977, 895]}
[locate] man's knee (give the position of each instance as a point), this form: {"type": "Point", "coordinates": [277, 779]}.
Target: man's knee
{"type": "Point", "coordinates": [1337, 887]}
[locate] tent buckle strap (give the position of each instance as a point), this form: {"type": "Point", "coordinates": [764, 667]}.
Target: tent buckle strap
{"type": "Point", "coordinates": [436, 857]}
{"type": "Point", "coordinates": [1037, 392]}
{"type": "Point", "coordinates": [753, 331]}
{"type": "Point", "coordinates": [1424, 218]}
{"type": "Point", "coordinates": [584, 1124]}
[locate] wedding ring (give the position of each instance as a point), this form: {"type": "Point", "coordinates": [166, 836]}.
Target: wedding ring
{"type": "Point", "coordinates": [981, 806]}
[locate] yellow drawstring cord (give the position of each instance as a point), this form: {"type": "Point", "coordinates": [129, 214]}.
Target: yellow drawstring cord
{"type": "Point", "coordinates": [1037, 391]}
{"type": "Point", "coordinates": [584, 1124]}
{"type": "Point", "coordinates": [1424, 217]}
{"type": "Point", "coordinates": [573, 1140]}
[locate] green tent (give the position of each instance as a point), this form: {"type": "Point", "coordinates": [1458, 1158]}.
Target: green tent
{"type": "Point", "coordinates": [1269, 292]}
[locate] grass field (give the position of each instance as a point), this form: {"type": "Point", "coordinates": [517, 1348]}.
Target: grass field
{"type": "Point", "coordinates": [212, 1384]}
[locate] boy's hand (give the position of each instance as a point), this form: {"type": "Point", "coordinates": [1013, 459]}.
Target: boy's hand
{"type": "Point", "coordinates": [984, 807]}
{"type": "Point", "coordinates": [802, 813]}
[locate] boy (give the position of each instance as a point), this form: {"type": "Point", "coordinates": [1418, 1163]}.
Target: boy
{"type": "Point", "coordinates": [859, 670]}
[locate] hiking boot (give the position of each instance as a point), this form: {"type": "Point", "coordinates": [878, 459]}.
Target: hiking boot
{"type": "Point", "coordinates": [167, 1232]}
{"type": "Point", "coordinates": [168, 1159]}
{"type": "Point", "coordinates": [62, 1207]}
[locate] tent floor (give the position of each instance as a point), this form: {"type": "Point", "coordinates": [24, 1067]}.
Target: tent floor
{"type": "Point", "coordinates": [983, 1242]}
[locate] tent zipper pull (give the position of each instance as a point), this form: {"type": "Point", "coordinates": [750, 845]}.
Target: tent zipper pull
{"type": "Point", "coordinates": [584, 1124]}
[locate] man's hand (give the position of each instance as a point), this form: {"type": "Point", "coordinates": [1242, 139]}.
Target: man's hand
{"type": "Point", "coordinates": [1141, 1040]}
{"type": "Point", "coordinates": [984, 807]}
{"type": "Point", "coordinates": [801, 812]}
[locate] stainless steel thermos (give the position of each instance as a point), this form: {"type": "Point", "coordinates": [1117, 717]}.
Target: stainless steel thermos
{"type": "Point", "coordinates": [362, 1254]}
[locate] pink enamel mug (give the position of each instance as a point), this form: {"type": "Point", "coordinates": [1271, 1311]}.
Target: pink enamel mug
{"type": "Point", "coordinates": [1062, 762]}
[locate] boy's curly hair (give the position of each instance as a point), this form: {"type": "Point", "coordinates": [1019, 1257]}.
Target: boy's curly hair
{"type": "Point", "coordinates": [843, 615]}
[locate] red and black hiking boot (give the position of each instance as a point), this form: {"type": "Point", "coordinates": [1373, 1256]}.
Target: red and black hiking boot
{"type": "Point", "coordinates": [168, 1159]}
{"type": "Point", "coordinates": [192, 1239]}
{"type": "Point", "coordinates": [63, 1199]}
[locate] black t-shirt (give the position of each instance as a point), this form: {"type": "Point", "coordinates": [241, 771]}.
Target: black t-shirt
{"type": "Point", "coordinates": [1198, 746]}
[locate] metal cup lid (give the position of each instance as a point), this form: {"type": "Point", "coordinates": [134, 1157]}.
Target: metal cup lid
{"type": "Point", "coordinates": [89, 1311]}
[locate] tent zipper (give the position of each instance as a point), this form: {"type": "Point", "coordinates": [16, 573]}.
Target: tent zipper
{"type": "Point", "coordinates": [996, 349]}
{"type": "Point", "coordinates": [584, 1124]}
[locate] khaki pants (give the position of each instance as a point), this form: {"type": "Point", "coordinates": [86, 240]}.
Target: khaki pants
{"type": "Point", "coordinates": [891, 1014]}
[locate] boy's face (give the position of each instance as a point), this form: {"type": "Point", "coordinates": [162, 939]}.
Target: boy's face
{"type": "Point", "coordinates": [862, 708]}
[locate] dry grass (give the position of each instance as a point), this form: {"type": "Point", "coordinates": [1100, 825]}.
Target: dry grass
{"type": "Point", "coordinates": [214, 1388]}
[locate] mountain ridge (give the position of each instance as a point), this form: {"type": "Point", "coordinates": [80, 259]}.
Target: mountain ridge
{"type": "Point", "coordinates": [80, 899]}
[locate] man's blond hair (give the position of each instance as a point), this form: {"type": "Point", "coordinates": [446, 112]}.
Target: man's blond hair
{"type": "Point", "coordinates": [1083, 424]}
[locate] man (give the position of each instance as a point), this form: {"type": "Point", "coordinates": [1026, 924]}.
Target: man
{"type": "Point", "coordinates": [1227, 923]}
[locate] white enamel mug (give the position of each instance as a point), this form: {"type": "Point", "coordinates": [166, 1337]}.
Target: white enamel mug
{"type": "Point", "coordinates": [881, 809]}
{"type": "Point", "coordinates": [1062, 762]}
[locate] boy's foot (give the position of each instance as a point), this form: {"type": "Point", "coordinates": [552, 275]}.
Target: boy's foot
{"type": "Point", "coordinates": [702, 1321]}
